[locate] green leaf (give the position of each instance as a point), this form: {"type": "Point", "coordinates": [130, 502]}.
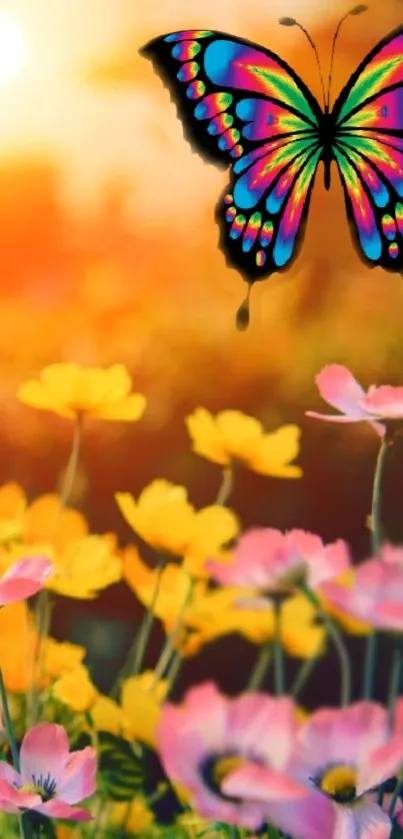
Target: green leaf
{"type": "Point", "coordinates": [120, 770]}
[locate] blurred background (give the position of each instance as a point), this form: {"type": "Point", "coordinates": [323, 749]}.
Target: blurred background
{"type": "Point", "coordinates": [108, 253]}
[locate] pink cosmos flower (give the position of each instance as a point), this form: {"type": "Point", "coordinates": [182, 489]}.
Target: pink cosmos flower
{"type": "Point", "coordinates": [24, 578]}
{"type": "Point", "coordinates": [342, 754]}
{"type": "Point", "coordinates": [203, 740]}
{"type": "Point", "coordinates": [376, 593]}
{"type": "Point", "coordinates": [51, 780]}
{"type": "Point", "coordinates": [340, 389]}
{"type": "Point", "coordinates": [269, 560]}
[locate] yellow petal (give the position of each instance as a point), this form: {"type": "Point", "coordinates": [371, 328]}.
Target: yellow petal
{"type": "Point", "coordinates": [240, 433]}
{"type": "Point", "coordinates": [61, 657]}
{"type": "Point", "coordinates": [129, 409]}
{"type": "Point", "coordinates": [76, 690]}
{"type": "Point", "coordinates": [301, 636]}
{"type": "Point", "coordinates": [134, 818]}
{"type": "Point", "coordinates": [86, 567]}
{"type": "Point", "coordinates": [46, 522]}
{"type": "Point", "coordinates": [162, 516]}
{"type": "Point", "coordinates": [13, 503]}
{"type": "Point", "coordinates": [107, 715]}
{"type": "Point", "coordinates": [142, 706]}
{"type": "Point", "coordinates": [205, 436]}
{"type": "Point", "coordinates": [276, 450]}
{"type": "Point", "coordinates": [35, 395]}
{"type": "Point", "coordinates": [213, 527]}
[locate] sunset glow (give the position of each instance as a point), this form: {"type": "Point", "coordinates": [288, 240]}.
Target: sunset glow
{"type": "Point", "coordinates": [11, 49]}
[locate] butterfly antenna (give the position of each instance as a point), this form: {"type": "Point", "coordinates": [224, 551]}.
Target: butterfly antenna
{"type": "Point", "coordinates": [242, 318]}
{"type": "Point", "coordinates": [290, 21]}
{"type": "Point", "coordinates": [357, 10]}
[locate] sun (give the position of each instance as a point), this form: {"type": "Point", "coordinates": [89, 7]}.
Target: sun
{"type": "Point", "coordinates": [11, 48]}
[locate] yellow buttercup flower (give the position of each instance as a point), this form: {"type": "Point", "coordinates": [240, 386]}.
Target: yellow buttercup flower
{"type": "Point", "coordinates": [45, 521]}
{"type": "Point", "coordinates": [13, 504]}
{"type": "Point", "coordinates": [141, 702]}
{"type": "Point", "coordinates": [70, 390]}
{"type": "Point", "coordinates": [165, 519]}
{"type": "Point", "coordinates": [134, 818]}
{"type": "Point", "coordinates": [76, 689]}
{"type": "Point", "coordinates": [233, 437]}
{"type": "Point", "coordinates": [217, 613]}
{"type": "Point", "coordinates": [18, 642]}
{"type": "Point", "coordinates": [85, 567]}
{"type": "Point", "coordinates": [107, 715]}
{"type": "Point", "coordinates": [173, 587]}
{"type": "Point", "coordinates": [60, 657]}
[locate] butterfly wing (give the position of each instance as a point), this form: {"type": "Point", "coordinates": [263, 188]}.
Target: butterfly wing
{"type": "Point", "coordinates": [243, 107]}
{"type": "Point", "coordinates": [368, 147]}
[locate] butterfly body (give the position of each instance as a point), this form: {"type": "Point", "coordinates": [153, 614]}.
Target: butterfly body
{"type": "Point", "coordinates": [244, 108]}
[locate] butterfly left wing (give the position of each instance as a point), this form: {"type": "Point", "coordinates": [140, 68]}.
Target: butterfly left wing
{"type": "Point", "coordinates": [243, 107]}
{"type": "Point", "coordinates": [368, 147]}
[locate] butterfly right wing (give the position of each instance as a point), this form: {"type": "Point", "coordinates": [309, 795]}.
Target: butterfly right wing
{"type": "Point", "coordinates": [243, 107]}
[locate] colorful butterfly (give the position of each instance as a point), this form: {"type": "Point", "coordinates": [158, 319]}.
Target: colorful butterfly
{"type": "Point", "coordinates": [242, 106]}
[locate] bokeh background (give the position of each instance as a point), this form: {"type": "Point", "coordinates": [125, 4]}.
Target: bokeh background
{"type": "Point", "coordinates": [108, 253]}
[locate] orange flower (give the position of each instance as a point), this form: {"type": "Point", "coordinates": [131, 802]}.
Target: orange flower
{"type": "Point", "coordinates": [70, 390]}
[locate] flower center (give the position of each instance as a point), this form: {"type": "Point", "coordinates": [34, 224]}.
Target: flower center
{"type": "Point", "coordinates": [43, 786]}
{"type": "Point", "coordinates": [216, 768]}
{"type": "Point", "coordinates": [339, 782]}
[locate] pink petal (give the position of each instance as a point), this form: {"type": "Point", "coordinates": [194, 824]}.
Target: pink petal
{"type": "Point", "coordinates": [263, 728]}
{"type": "Point", "coordinates": [340, 389]}
{"type": "Point", "coordinates": [56, 809]}
{"type": "Point", "coordinates": [25, 578]}
{"type": "Point", "coordinates": [366, 818]}
{"type": "Point", "coordinates": [382, 763]}
{"type": "Point", "coordinates": [12, 800]}
{"type": "Point", "coordinates": [78, 779]}
{"type": "Point", "coordinates": [385, 402]}
{"type": "Point", "coordinates": [342, 735]}
{"type": "Point", "coordinates": [312, 817]}
{"type": "Point", "coordinates": [254, 782]}
{"type": "Point", "coordinates": [44, 752]}
{"type": "Point", "coordinates": [9, 774]}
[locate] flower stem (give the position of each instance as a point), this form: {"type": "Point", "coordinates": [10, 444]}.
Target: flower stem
{"type": "Point", "coordinates": [395, 677]}
{"type": "Point", "coordinates": [135, 657]}
{"type": "Point", "coordinates": [227, 485]}
{"type": "Point", "coordinates": [261, 667]}
{"type": "Point", "coordinates": [303, 675]}
{"type": "Point", "coordinates": [395, 796]}
{"type": "Point", "coordinates": [369, 664]}
{"type": "Point", "coordinates": [8, 724]}
{"type": "Point", "coordinates": [169, 646]}
{"type": "Point", "coordinates": [376, 505]}
{"type": "Point", "coordinates": [376, 541]}
{"type": "Point", "coordinates": [337, 638]}
{"type": "Point", "coordinates": [278, 657]}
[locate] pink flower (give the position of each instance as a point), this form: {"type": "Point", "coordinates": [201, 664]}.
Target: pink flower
{"type": "Point", "coordinates": [51, 780]}
{"type": "Point", "coordinates": [375, 593]}
{"type": "Point", "coordinates": [342, 391]}
{"type": "Point", "coordinates": [202, 741]}
{"type": "Point", "coordinates": [342, 754]}
{"type": "Point", "coordinates": [268, 560]}
{"type": "Point", "coordinates": [24, 578]}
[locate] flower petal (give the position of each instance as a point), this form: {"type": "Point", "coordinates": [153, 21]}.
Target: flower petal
{"type": "Point", "coordinates": [254, 782]}
{"type": "Point", "coordinates": [24, 578]}
{"type": "Point", "coordinates": [55, 809]}
{"type": "Point", "coordinates": [44, 752]}
{"type": "Point", "coordinates": [78, 781]}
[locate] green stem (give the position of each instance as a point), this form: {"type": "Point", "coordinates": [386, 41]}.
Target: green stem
{"type": "Point", "coordinates": [369, 664]}
{"type": "Point", "coordinates": [226, 487]}
{"type": "Point", "coordinates": [278, 656]}
{"type": "Point", "coordinates": [135, 657]}
{"type": "Point", "coordinates": [260, 669]}
{"type": "Point", "coordinates": [395, 678]}
{"type": "Point", "coordinates": [173, 671]}
{"type": "Point", "coordinates": [376, 505]}
{"type": "Point", "coordinates": [303, 675]}
{"type": "Point", "coordinates": [336, 636]}
{"type": "Point", "coordinates": [395, 796]}
{"type": "Point", "coordinates": [8, 724]}
{"type": "Point", "coordinates": [169, 646]}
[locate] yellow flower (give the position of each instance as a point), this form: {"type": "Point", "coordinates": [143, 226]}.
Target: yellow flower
{"type": "Point", "coordinates": [173, 587]}
{"type": "Point", "coordinates": [131, 818]}
{"type": "Point", "coordinates": [70, 390]}
{"type": "Point", "coordinates": [85, 567]}
{"type": "Point", "coordinates": [233, 437]}
{"type": "Point", "coordinates": [60, 657]}
{"type": "Point", "coordinates": [141, 704]}
{"type": "Point", "coordinates": [18, 641]}
{"type": "Point", "coordinates": [107, 715]}
{"type": "Point", "coordinates": [12, 508]}
{"type": "Point", "coordinates": [216, 614]}
{"type": "Point", "coordinates": [76, 689]}
{"type": "Point", "coordinates": [165, 519]}
{"type": "Point", "coordinates": [45, 521]}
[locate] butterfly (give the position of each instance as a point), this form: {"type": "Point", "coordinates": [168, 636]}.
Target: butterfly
{"type": "Point", "coordinates": [245, 108]}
